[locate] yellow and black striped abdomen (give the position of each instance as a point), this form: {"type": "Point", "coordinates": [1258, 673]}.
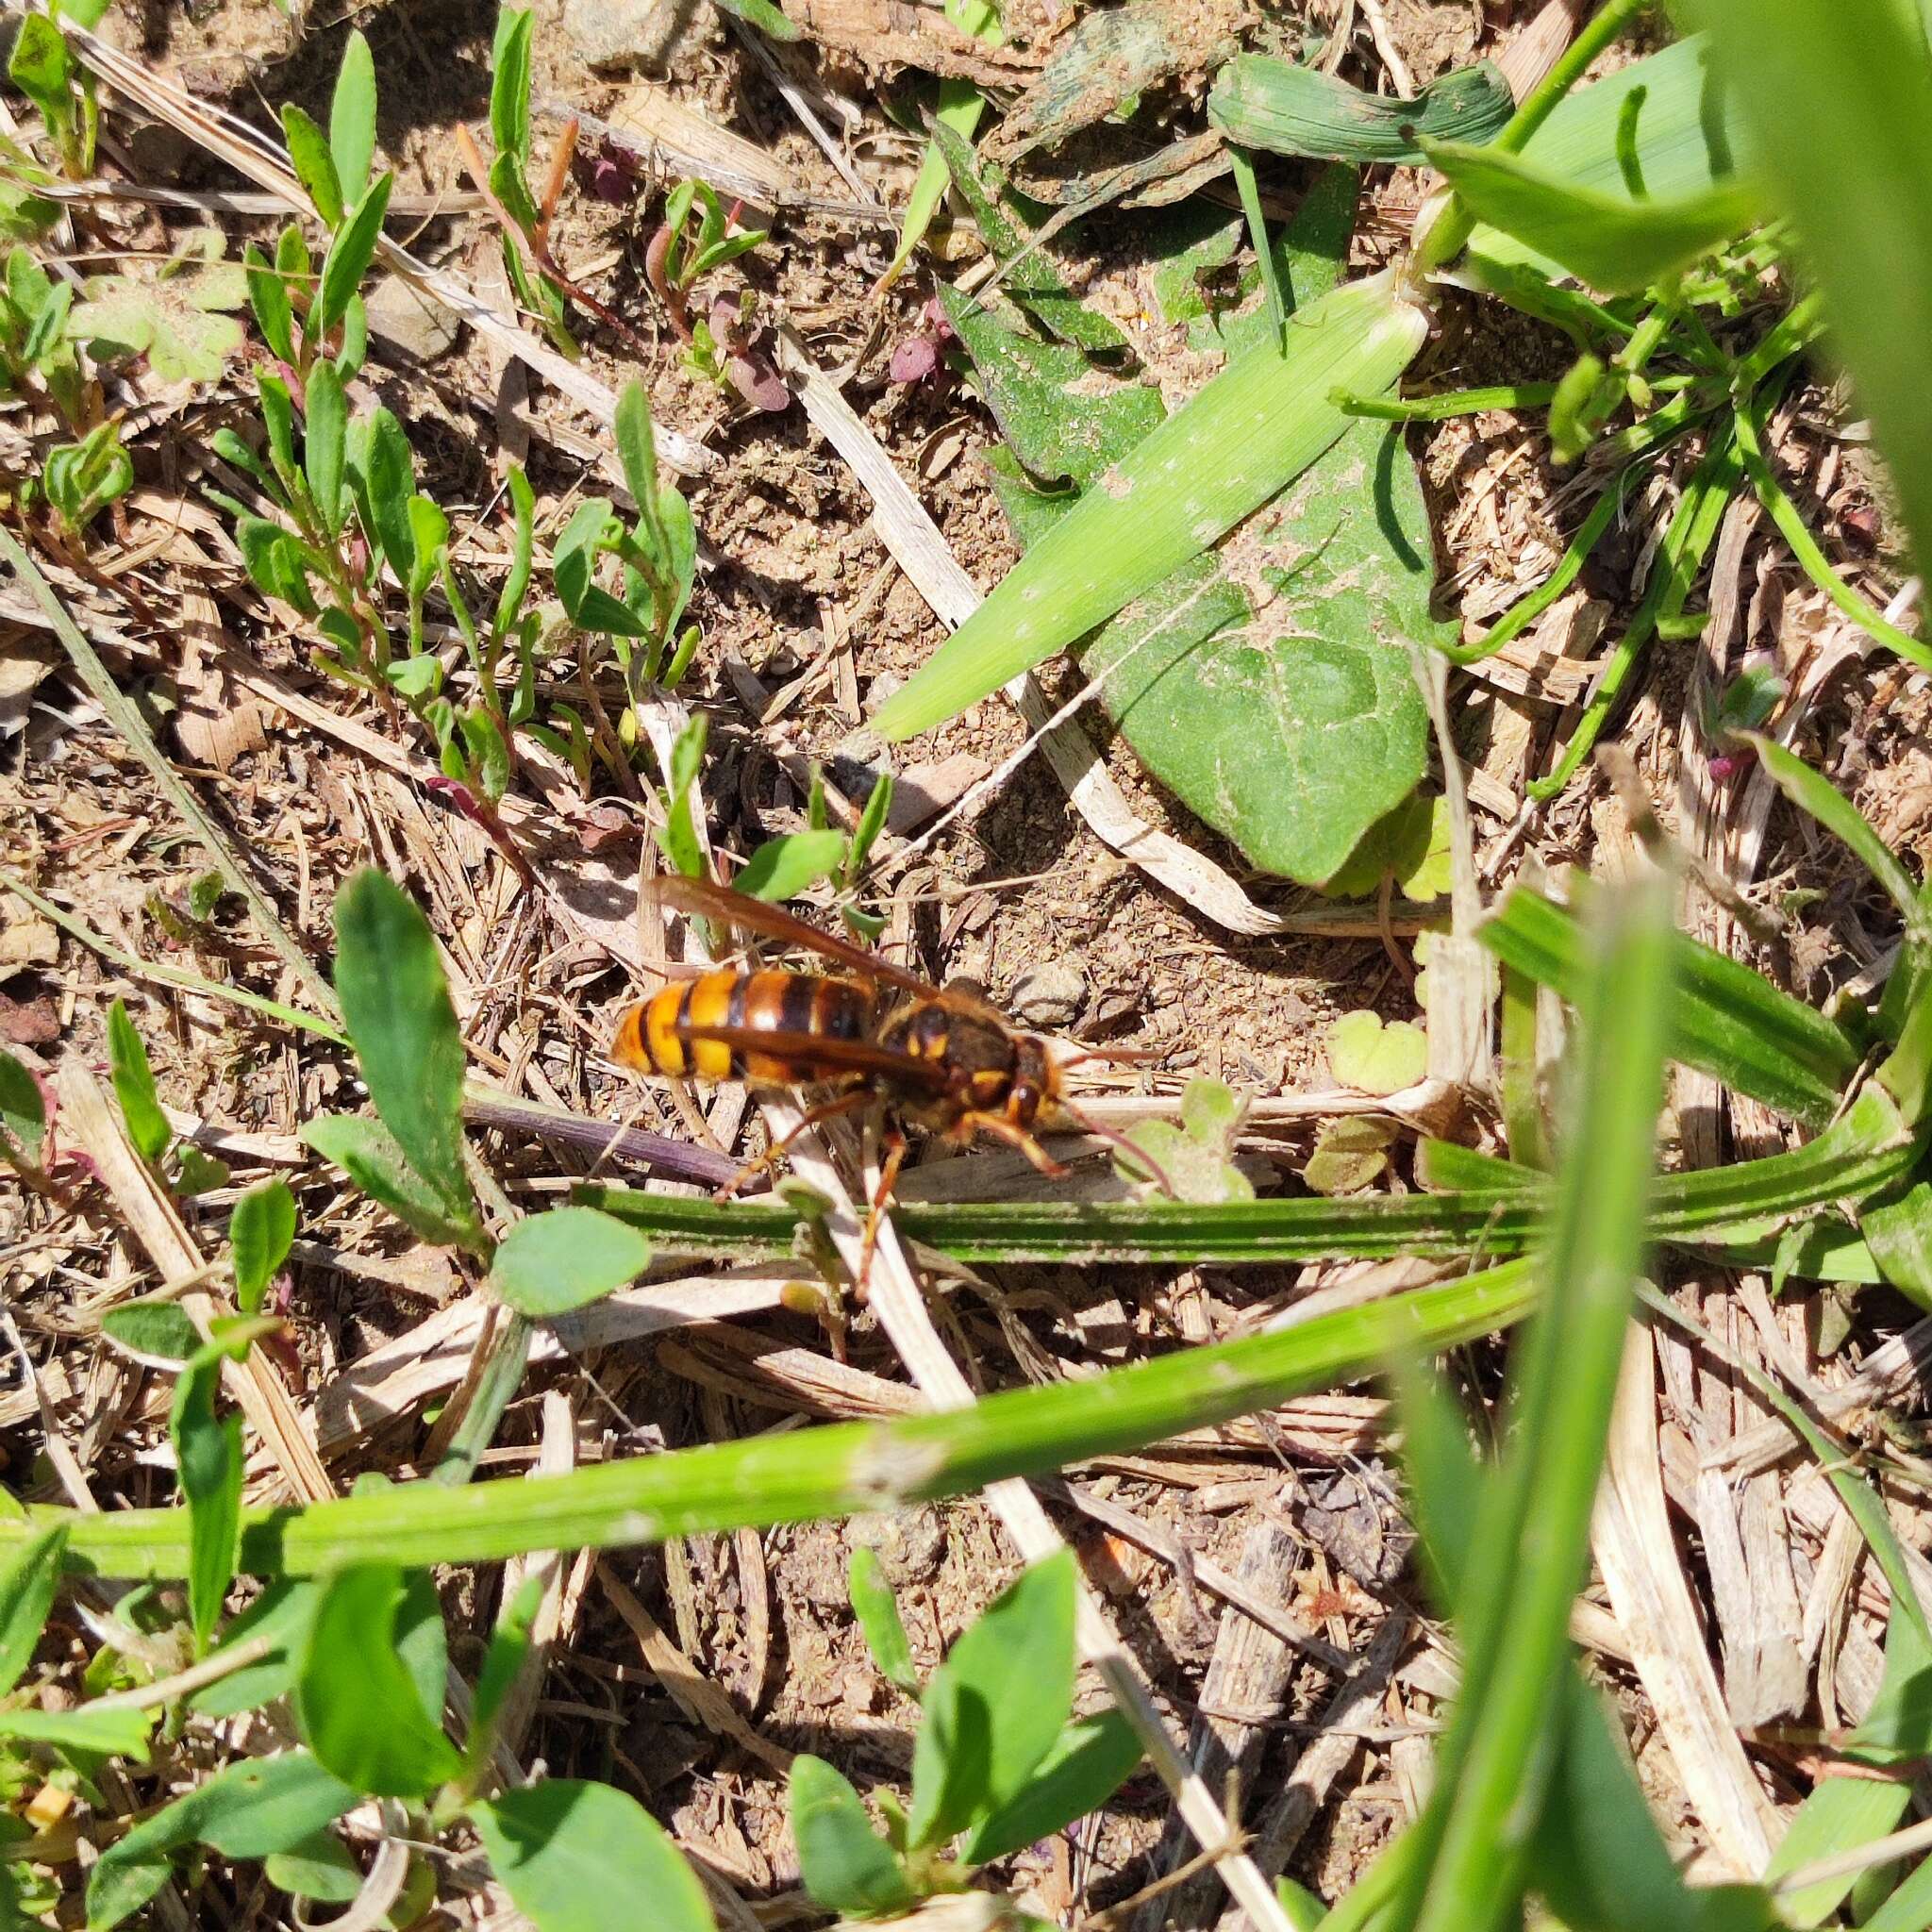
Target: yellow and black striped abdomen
{"type": "Point", "coordinates": [668, 1034]}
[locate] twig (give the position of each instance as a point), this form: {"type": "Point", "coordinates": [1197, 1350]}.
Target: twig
{"type": "Point", "coordinates": [1400, 79]}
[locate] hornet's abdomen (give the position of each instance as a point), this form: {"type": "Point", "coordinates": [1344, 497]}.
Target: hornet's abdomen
{"type": "Point", "coordinates": [665, 1035]}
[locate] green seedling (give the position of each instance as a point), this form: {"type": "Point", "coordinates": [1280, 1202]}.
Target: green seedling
{"type": "Point", "coordinates": [43, 68]}
{"type": "Point", "coordinates": [37, 355]}
{"type": "Point", "coordinates": [721, 344]}
{"type": "Point", "coordinates": [80, 479]}
{"type": "Point", "coordinates": [305, 310]}
{"type": "Point", "coordinates": [187, 1169]}
{"type": "Point", "coordinates": [347, 504]}
{"type": "Point", "coordinates": [524, 213]}
{"type": "Point", "coordinates": [659, 554]}
{"type": "Point", "coordinates": [998, 1759]}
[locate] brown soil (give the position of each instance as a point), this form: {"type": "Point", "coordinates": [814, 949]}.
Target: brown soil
{"type": "Point", "coordinates": [795, 574]}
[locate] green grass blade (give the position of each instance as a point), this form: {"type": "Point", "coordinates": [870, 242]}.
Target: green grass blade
{"type": "Point", "coordinates": [1091, 1234]}
{"type": "Point", "coordinates": [1840, 99]}
{"type": "Point", "coordinates": [839, 1470]}
{"type": "Point", "coordinates": [1814, 794]}
{"type": "Point", "coordinates": [1262, 421]}
{"type": "Point", "coordinates": [1726, 1019]}
{"type": "Point", "coordinates": [1524, 1570]}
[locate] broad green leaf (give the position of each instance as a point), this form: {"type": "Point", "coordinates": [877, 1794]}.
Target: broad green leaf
{"type": "Point", "coordinates": [1666, 114]}
{"type": "Point", "coordinates": [1409, 845]}
{"type": "Point", "coordinates": [847, 1867]}
{"type": "Point", "coordinates": [1292, 728]}
{"type": "Point", "coordinates": [249, 1809]}
{"type": "Point", "coordinates": [1060, 416]}
{"type": "Point", "coordinates": [157, 1332]}
{"type": "Point", "coordinates": [396, 1005]}
{"type": "Point", "coordinates": [23, 1110]}
{"type": "Point", "coordinates": [994, 1706]}
{"type": "Point", "coordinates": [369, 1155]}
{"type": "Point", "coordinates": [1839, 101]}
{"type": "Point", "coordinates": [569, 1853]}
{"type": "Point", "coordinates": [181, 318]}
{"type": "Point", "coordinates": [783, 867]}
{"type": "Point", "coordinates": [1031, 281]}
{"type": "Point", "coordinates": [573, 560]}
{"type": "Point", "coordinates": [278, 1616]}
{"type": "Point", "coordinates": [564, 1258]}
{"type": "Point", "coordinates": [209, 1458]}
{"type": "Point", "coordinates": [877, 1611]}
{"type": "Point", "coordinates": [352, 118]}
{"type": "Point", "coordinates": [134, 1087]}
{"type": "Point", "coordinates": [349, 256]}
{"type": "Point", "coordinates": [324, 443]}
{"type": "Point", "coordinates": [112, 1733]}
{"type": "Point", "coordinates": [1253, 429]}
{"type": "Point", "coordinates": [1365, 1053]}
{"type": "Point", "coordinates": [1614, 244]}
{"type": "Point", "coordinates": [357, 1702]}
{"type": "Point", "coordinates": [429, 538]}
{"type": "Point", "coordinates": [489, 754]}
{"type": "Point", "coordinates": [269, 297]}
{"type": "Point", "coordinates": [320, 1868]}
{"type": "Point", "coordinates": [43, 69]}
{"type": "Point", "coordinates": [1260, 101]}
{"type": "Point", "coordinates": [421, 1645]}
{"type": "Point", "coordinates": [315, 166]}
{"type": "Point", "coordinates": [1083, 1768]}
{"type": "Point", "coordinates": [26, 1594]}
{"type": "Point", "coordinates": [260, 1231]}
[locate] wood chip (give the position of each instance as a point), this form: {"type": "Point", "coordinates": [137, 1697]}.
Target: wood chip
{"type": "Point", "coordinates": [1637, 1551]}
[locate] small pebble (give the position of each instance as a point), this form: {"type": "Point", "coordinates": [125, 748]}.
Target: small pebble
{"type": "Point", "coordinates": [1049, 996]}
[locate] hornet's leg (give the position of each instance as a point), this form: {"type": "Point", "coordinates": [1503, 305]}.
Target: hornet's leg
{"type": "Point", "coordinates": [881, 1200]}
{"type": "Point", "coordinates": [1001, 1129]}
{"type": "Point", "coordinates": [846, 1103]}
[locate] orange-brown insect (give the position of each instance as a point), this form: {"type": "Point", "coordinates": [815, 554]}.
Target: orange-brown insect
{"type": "Point", "coordinates": [881, 1036]}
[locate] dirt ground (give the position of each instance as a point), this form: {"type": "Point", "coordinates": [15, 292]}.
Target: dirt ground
{"type": "Point", "coordinates": [795, 584]}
